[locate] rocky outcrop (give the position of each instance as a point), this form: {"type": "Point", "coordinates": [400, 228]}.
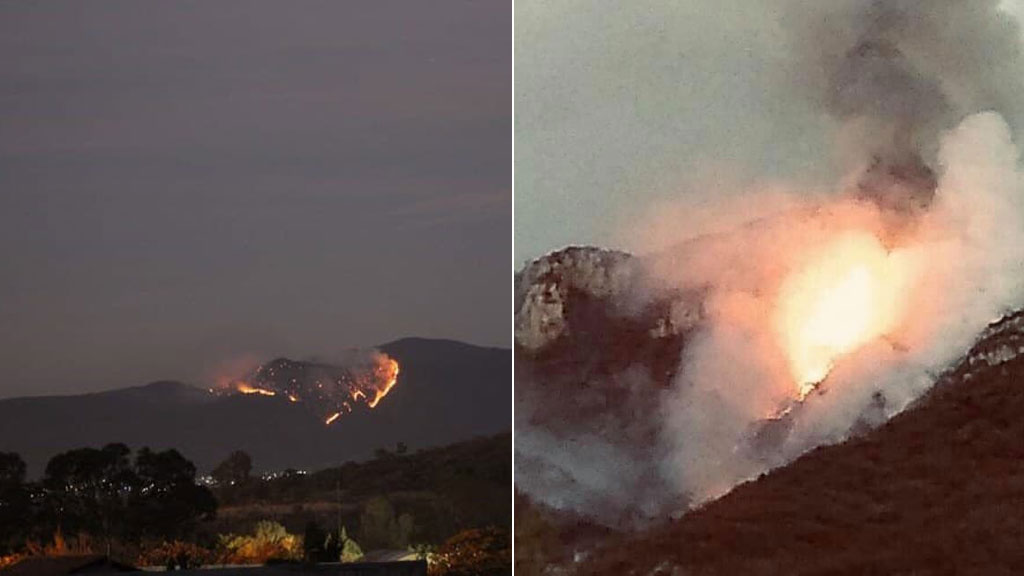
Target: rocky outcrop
{"type": "Point", "coordinates": [596, 348]}
{"type": "Point", "coordinates": [593, 308]}
{"type": "Point", "coordinates": [546, 287]}
{"type": "Point", "coordinates": [1001, 342]}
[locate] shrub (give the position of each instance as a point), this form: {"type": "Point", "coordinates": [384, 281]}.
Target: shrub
{"type": "Point", "coordinates": [476, 552]}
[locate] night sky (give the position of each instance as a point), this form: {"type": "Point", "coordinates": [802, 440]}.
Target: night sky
{"type": "Point", "coordinates": [184, 183]}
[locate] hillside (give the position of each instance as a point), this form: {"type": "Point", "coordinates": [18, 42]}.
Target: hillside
{"type": "Point", "coordinates": [447, 391]}
{"type": "Point", "coordinates": [444, 490]}
{"type": "Point", "coordinates": [939, 489]}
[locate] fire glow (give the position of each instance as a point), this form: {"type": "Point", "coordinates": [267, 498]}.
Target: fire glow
{"type": "Point", "coordinates": [388, 373]}
{"type": "Point", "coordinates": [244, 388]}
{"type": "Point", "coordinates": [327, 390]}
{"type": "Point", "coordinates": [852, 292]}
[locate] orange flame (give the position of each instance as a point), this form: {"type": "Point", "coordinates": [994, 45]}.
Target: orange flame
{"type": "Point", "coordinates": [367, 383]}
{"type": "Point", "coordinates": [247, 389]}
{"type": "Point", "coordinates": [389, 373]}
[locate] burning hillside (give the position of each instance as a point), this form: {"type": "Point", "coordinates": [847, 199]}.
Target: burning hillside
{"type": "Point", "coordinates": [934, 491]}
{"type": "Point", "coordinates": [648, 384]}
{"type": "Point", "coordinates": [673, 367]}
{"type": "Point", "coordinates": [328, 391]}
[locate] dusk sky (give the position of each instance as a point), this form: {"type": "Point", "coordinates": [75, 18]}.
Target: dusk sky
{"type": "Point", "coordinates": [184, 183]}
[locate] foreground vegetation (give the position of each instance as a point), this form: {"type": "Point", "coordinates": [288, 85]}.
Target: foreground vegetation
{"type": "Point", "coordinates": [451, 505]}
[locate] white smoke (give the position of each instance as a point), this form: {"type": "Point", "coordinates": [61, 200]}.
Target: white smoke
{"type": "Point", "coordinates": [603, 470]}
{"type": "Point", "coordinates": [929, 88]}
{"type": "Point", "coordinates": [968, 257]}
{"type": "Point", "coordinates": [970, 250]}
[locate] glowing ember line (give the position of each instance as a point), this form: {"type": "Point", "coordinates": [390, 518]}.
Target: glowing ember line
{"type": "Point", "coordinates": [325, 390]}
{"type": "Point", "coordinates": [247, 389]}
{"type": "Point", "coordinates": [393, 368]}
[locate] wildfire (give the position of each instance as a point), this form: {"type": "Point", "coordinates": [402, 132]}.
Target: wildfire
{"type": "Point", "coordinates": [388, 373]}
{"type": "Point", "coordinates": [852, 292]}
{"type": "Point", "coordinates": [244, 388]}
{"type": "Point", "coordinates": [326, 390]}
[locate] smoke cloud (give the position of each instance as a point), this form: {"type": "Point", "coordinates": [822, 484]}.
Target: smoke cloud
{"type": "Point", "coordinates": [966, 254]}
{"type": "Point", "coordinates": [924, 97]}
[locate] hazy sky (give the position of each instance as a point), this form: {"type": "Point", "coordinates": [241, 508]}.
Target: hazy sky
{"type": "Point", "coordinates": [184, 182]}
{"type": "Point", "coordinates": [622, 105]}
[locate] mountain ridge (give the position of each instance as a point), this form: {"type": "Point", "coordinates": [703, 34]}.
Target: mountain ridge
{"type": "Point", "coordinates": [398, 342]}
{"type": "Point", "coordinates": [444, 394]}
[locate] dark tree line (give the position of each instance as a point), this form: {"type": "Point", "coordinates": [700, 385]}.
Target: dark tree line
{"type": "Point", "coordinates": [234, 470]}
{"type": "Point", "coordinates": [105, 493]}
{"type": "Point", "coordinates": [15, 500]}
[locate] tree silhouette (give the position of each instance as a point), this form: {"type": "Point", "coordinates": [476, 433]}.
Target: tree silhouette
{"type": "Point", "coordinates": [104, 493]}
{"type": "Point", "coordinates": [235, 469]}
{"type": "Point", "coordinates": [87, 490]}
{"type": "Point", "coordinates": [168, 502]}
{"type": "Point", "coordinates": [377, 523]}
{"type": "Point", "coordinates": [14, 501]}
{"type": "Point", "coordinates": [313, 542]}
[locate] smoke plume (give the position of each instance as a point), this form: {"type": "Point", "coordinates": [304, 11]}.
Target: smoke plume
{"type": "Point", "coordinates": [926, 100]}
{"type": "Point", "coordinates": [896, 74]}
{"type": "Point", "coordinates": [967, 259]}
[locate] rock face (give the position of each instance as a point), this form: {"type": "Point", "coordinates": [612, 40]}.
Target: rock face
{"type": "Point", "coordinates": [547, 285]}
{"type": "Point", "coordinates": [1001, 342]}
{"type": "Point", "coordinates": [591, 308]}
{"type": "Point", "coordinates": [935, 490]}
{"type": "Point", "coordinates": [595, 348]}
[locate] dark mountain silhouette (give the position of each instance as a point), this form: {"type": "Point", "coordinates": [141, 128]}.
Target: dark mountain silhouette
{"type": "Point", "coordinates": [447, 391]}
{"type": "Point", "coordinates": [939, 489]}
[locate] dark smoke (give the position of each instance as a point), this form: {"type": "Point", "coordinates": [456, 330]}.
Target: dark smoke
{"type": "Point", "coordinates": [902, 72]}
{"type": "Point", "coordinates": [875, 79]}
